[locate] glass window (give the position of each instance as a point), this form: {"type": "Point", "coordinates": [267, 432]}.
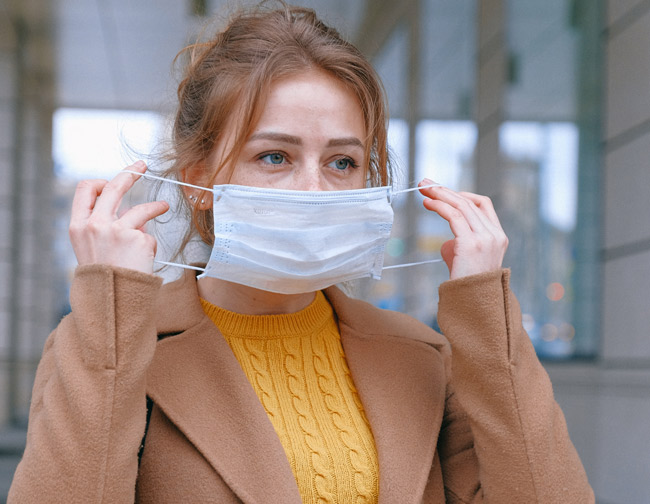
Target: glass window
{"type": "Point", "coordinates": [548, 173]}
{"type": "Point", "coordinates": [538, 209]}
{"type": "Point", "coordinates": [549, 148]}
{"type": "Point", "coordinates": [90, 144]}
{"type": "Point", "coordinates": [443, 136]}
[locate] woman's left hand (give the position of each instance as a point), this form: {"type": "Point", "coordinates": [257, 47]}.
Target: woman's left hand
{"type": "Point", "coordinates": [479, 242]}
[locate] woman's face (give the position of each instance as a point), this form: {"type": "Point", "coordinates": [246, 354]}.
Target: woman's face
{"type": "Point", "coordinates": [310, 136]}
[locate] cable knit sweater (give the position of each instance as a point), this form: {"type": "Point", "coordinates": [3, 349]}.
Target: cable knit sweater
{"type": "Point", "coordinates": [296, 365]}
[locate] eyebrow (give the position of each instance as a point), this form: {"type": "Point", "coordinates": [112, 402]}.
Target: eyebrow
{"type": "Point", "coordinates": [343, 142]}
{"type": "Point", "coordinates": [278, 137]}
{"type": "Point", "coordinates": [294, 140]}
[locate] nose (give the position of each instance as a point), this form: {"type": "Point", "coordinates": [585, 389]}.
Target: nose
{"type": "Point", "coordinates": [309, 178]}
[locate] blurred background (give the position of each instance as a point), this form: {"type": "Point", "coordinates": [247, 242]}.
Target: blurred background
{"type": "Point", "coordinates": [543, 105]}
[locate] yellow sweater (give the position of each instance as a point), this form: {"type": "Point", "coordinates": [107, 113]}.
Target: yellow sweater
{"type": "Point", "coordinates": [295, 363]}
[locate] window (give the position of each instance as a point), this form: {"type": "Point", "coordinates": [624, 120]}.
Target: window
{"type": "Point", "coordinates": [550, 175]}
{"type": "Point", "coordinates": [545, 168]}
{"type": "Point", "coordinates": [90, 144]}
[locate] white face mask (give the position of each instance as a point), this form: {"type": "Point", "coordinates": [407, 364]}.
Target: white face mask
{"type": "Point", "coordinates": [291, 242]}
{"type": "Point", "coordinates": [298, 241]}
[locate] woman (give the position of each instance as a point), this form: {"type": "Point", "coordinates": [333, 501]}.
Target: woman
{"type": "Point", "coordinates": [223, 390]}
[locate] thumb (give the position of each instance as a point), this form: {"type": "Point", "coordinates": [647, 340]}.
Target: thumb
{"type": "Point", "coordinates": [447, 252]}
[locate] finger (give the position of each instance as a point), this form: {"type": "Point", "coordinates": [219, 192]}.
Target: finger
{"type": "Point", "coordinates": [139, 215]}
{"type": "Point", "coordinates": [447, 253]}
{"type": "Point", "coordinates": [426, 191]}
{"type": "Point", "coordinates": [111, 196]}
{"type": "Point", "coordinates": [85, 197]}
{"type": "Point", "coordinates": [484, 204]}
{"type": "Point", "coordinates": [475, 218]}
{"type": "Point", "coordinates": [457, 221]}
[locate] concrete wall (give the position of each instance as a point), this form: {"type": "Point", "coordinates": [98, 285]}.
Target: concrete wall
{"type": "Point", "coordinates": [26, 105]}
{"type": "Point", "coordinates": [7, 94]}
{"type": "Point", "coordinates": [607, 404]}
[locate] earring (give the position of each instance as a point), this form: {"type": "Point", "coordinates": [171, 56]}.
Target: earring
{"type": "Point", "coordinates": [202, 202]}
{"type": "Point", "coordinates": [192, 198]}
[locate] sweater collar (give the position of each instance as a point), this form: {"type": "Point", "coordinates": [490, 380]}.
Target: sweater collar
{"type": "Point", "coordinates": [301, 323]}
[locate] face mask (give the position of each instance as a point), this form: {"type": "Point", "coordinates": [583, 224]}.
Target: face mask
{"type": "Point", "coordinates": [291, 242]}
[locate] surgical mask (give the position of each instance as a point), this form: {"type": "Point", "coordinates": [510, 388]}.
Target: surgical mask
{"type": "Point", "coordinates": [291, 242]}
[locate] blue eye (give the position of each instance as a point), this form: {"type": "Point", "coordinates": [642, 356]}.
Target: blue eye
{"type": "Point", "coordinates": [343, 164]}
{"type": "Point", "coordinates": [274, 158]}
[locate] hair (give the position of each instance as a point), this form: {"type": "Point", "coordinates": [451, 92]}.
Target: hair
{"type": "Point", "coordinates": [230, 76]}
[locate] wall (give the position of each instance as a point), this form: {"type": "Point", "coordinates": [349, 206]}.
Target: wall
{"type": "Point", "coordinates": [607, 404]}
{"type": "Point", "coordinates": [26, 104]}
{"type": "Point", "coordinates": [8, 93]}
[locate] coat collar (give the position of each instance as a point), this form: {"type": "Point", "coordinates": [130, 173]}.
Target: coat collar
{"type": "Point", "coordinates": [197, 381]}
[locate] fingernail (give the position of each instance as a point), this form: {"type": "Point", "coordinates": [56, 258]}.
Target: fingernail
{"type": "Point", "coordinates": [140, 164]}
{"type": "Point", "coordinates": [427, 181]}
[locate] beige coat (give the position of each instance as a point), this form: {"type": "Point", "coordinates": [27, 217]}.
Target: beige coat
{"type": "Point", "coordinates": [209, 439]}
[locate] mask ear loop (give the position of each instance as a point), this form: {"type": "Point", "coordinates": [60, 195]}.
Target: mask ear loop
{"type": "Point", "coordinates": [179, 265]}
{"type": "Point", "coordinates": [171, 181]}
{"type": "Point", "coordinates": [406, 265]}
{"type": "Point", "coordinates": [393, 193]}
{"type": "Point", "coordinates": [177, 182]}
{"type": "Point", "coordinates": [390, 200]}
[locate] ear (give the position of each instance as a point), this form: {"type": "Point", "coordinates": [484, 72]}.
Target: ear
{"type": "Point", "coordinates": [197, 175]}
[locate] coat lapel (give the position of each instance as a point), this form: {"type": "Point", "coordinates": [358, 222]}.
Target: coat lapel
{"type": "Point", "coordinates": [198, 383]}
{"type": "Point", "coordinates": [402, 387]}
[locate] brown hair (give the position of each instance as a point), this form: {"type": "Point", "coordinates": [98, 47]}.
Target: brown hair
{"type": "Point", "coordinates": [234, 71]}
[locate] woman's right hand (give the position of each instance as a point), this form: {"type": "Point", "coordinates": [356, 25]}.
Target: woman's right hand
{"type": "Point", "coordinates": [99, 236]}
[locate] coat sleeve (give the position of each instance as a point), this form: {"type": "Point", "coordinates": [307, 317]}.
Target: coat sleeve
{"type": "Point", "coordinates": [510, 441]}
{"type": "Point", "coordinates": [88, 409]}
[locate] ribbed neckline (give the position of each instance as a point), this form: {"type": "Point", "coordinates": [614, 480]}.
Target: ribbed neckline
{"type": "Point", "coordinates": [303, 322]}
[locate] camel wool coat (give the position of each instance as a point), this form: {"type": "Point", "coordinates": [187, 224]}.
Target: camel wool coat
{"type": "Point", "coordinates": [482, 427]}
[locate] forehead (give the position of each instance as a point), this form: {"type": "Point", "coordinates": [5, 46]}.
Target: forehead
{"type": "Point", "coordinates": [310, 99]}
{"type": "Point", "coordinates": [314, 81]}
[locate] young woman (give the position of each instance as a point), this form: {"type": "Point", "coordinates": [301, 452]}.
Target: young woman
{"type": "Point", "coordinates": [258, 382]}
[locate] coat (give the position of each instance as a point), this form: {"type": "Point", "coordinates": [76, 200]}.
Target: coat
{"type": "Point", "coordinates": [481, 427]}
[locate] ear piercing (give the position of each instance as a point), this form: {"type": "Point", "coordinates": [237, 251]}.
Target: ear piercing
{"type": "Point", "coordinates": [194, 199]}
